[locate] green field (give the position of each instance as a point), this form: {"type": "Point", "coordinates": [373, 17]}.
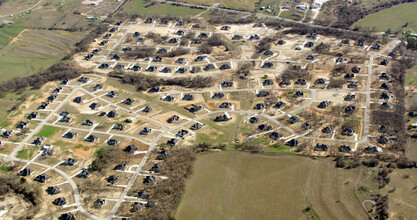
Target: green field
{"type": "Point", "coordinates": [247, 5]}
{"type": "Point", "coordinates": [392, 18]}
{"type": "Point", "coordinates": [138, 7]}
{"type": "Point", "coordinates": [7, 34]}
{"type": "Point", "coordinates": [48, 131]}
{"type": "Point", "coordinates": [34, 51]}
{"type": "Point", "coordinates": [238, 185]}
{"type": "Point", "coordinates": [28, 152]}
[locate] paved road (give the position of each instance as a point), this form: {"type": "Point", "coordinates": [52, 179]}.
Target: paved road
{"type": "Point", "coordinates": [21, 11]}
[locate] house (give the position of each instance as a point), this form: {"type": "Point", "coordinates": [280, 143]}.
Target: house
{"type": "Point", "coordinates": [306, 126]}
{"type": "Point", "coordinates": [236, 37]}
{"type": "Point", "coordinates": [137, 206]}
{"type": "Point", "coordinates": [102, 43]}
{"type": "Point", "coordinates": [383, 129]}
{"type": "Point", "coordinates": [259, 106]}
{"type": "Point", "coordinates": [148, 21]}
{"type": "Point", "coordinates": [168, 98]}
{"type": "Point", "coordinates": [165, 70]}
{"type": "Point", "coordinates": [225, 28]}
{"type": "Point", "coordinates": [311, 57]}
{"type": "Point", "coordinates": [107, 36]}
{"type": "Point", "coordinates": [384, 63]}
{"type": "Point", "coordinates": [341, 60]}
{"type": "Point", "coordinates": [121, 166]}
{"type": "Point", "coordinates": [83, 79]}
{"type": "Point", "coordinates": [352, 85]}
{"type": "Point", "coordinates": [144, 194]}
{"type": "Point", "coordinates": [112, 94]}
{"type": "Point", "coordinates": [327, 130]}
{"type": "Point", "coordinates": [25, 172]}
{"type": "Point", "coordinates": [254, 37]}
{"type": "Point", "coordinates": [253, 120]}
{"type": "Point", "coordinates": [298, 94]}
{"type": "Point", "coordinates": [126, 49]}
{"type": "Point", "coordinates": [345, 149]}
{"type": "Point", "coordinates": [99, 203]}
{"type": "Point", "coordinates": [321, 147]}
{"type": "Point", "coordinates": [385, 86]}
{"type": "Point", "coordinates": [172, 142]}
{"type": "Point", "coordinates": [324, 104]}
{"type": "Point", "coordinates": [173, 41]}
{"type": "Point", "coordinates": [370, 150]}
{"type": "Point", "coordinates": [345, 41]}
{"type": "Point", "coordinates": [89, 57]}
{"type": "Point", "coordinates": [222, 118]}
{"type": "Point", "coordinates": [181, 133]}
{"type": "Point", "coordinates": [292, 119]}
{"type": "Point", "coordinates": [52, 190]}
{"type": "Point", "coordinates": [225, 67]}
{"type": "Point", "coordinates": [196, 41]}
{"type": "Point", "coordinates": [209, 67]}
{"type": "Point", "coordinates": [385, 96]}
{"type": "Point", "coordinates": [69, 162]}
{"type": "Point", "coordinates": [103, 66]}
{"type": "Point", "coordinates": [268, 53]}
{"type": "Point", "coordinates": [78, 99]}
{"type": "Point", "coordinates": [225, 105]}
{"type": "Point", "coordinates": [147, 109]}
{"type": "Point", "coordinates": [376, 46]}
{"type": "Point", "coordinates": [412, 114]}
{"type": "Point", "coordinates": [195, 69]}
{"type": "Point", "coordinates": [7, 133]}
{"type": "Point", "coordinates": [32, 115]}
{"type": "Point", "coordinates": [43, 105]}
{"type": "Point", "coordinates": [154, 89]}
{"type": "Point", "coordinates": [348, 132]}
{"type": "Point", "coordinates": [163, 155]}
{"type": "Point", "coordinates": [57, 90]}
{"type": "Point", "coordinates": [350, 97]}
{"type": "Point", "coordinates": [46, 150]}
{"type": "Point", "coordinates": [200, 58]}
{"type": "Point", "coordinates": [392, 54]}
{"type": "Point", "coordinates": [88, 122]}
{"type": "Point", "coordinates": [135, 68]}
{"type": "Point", "coordinates": [257, 25]}
{"type": "Point", "coordinates": [91, 138]}
{"type": "Point", "coordinates": [226, 84]}
{"type": "Point", "coordinates": [84, 173]}
{"type": "Point", "coordinates": [179, 32]}
{"type": "Point", "coordinates": [196, 126]}
{"type": "Point", "coordinates": [98, 87]}
{"type": "Point", "coordinates": [179, 23]}
{"type": "Point", "coordinates": [149, 180]}
{"type": "Point", "coordinates": [38, 141]}
{"type": "Point", "coordinates": [320, 81]}
{"type": "Point", "coordinates": [96, 51]}
{"type": "Point", "coordinates": [292, 143]}
{"type": "Point", "coordinates": [145, 131]}
{"type": "Point", "coordinates": [268, 82]}
{"type": "Point", "coordinates": [312, 35]}
{"type": "Point", "coordinates": [279, 105]}
{"type": "Point", "coordinates": [385, 106]}
{"type": "Point", "coordinates": [173, 118]}
{"type": "Point", "coordinates": [42, 178]}
{"type": "Point", "coordinates": [285, 82]}
{"type": "Point", "coordinates": [151, 69]}
{"type": "Point", "coordinates": [113, 179]}
{"type": "Point", "coordinates": [65, 119]}
{"type": "Point", "coordinates": [69, 135]}
{"type": "Point", "coordinates": [113, 142]}
{"type": "Point", "coordinates": [281, 42]}
{"type": "Point", "coordinates": [263, 94]}
{"type": "Point", "coordinates": [275, 135]}
{"type": "Point", "coordinates": [180, 61]}
{"type": "Point", "coordinates": [61, 201]}
{"type": "Point", "coordinates": [309, 44]}
{"type": "Point", "coordinates": [67, 216]}
{"type": "Point", "coordinates": [350, 109]}
{"type": "Point", "coordinates": [181, 70]}
{"type": "Point", "coordinates": [140, 40]}
{"type": "Point", "coordinates": [203, 35]}
{"type": "Point", "coordinates": [356, 69]}
{"type": "Point", "coordinates": [128, 101]}
{"type": "Point", "coordinates": [217, 95]}
{"type": "Point", "coordinates": [112, 114]}
{"type": "Point", "coordinates": [22, 125]}
{"type": "Point", "coordinates": [119, 127]}
{"type": "Point", "coordinates": [302, 82]}
{"type": "Point", "coordinates": [130, 149]}
{"type": "Point", "coordinates": [95, 106]}
{"type": "Point", "coordinates": [360, 43]}
{"type": "Point", "coordinates": [383, 140]}
{"type": "Point", "coordinates": [267, 65]}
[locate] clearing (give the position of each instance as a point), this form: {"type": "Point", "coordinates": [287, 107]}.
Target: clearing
{"type": "Point", "coordinates": [236, 185]}
{"type": "Point", "coordinates": [138, 7]}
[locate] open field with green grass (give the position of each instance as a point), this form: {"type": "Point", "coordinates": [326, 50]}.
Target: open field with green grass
{"type": "Point", "coordinates": [48, 131]}
{"type": "Point", "coordinates": [247, 5]}
{"type": "Point", "coordinates": [7, 34]}
{"type": "Point", "coordinates": [392, 18]}
{"type": "Point", "coordinates": [138, 7]}
{"type": "Point", "coordinates": [34, 51]}
{"type": "Point", "coordinates": [238, 185]}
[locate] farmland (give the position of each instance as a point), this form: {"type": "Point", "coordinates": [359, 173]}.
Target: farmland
{"type": "Point", "coordinates": [140, 6]}
{"type": "Point", "coordinates": [234, 185]}
{"type": "Point", "coordinates": [393, 18]}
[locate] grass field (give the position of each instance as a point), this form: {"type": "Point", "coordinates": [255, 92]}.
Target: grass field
{"type": "Point", "coordinates": [138, 7]}
{"type": "Point", "coordinates": [34, 51]}
{"type": "Point", "coordinates": [48, 131]}
{"type": "Point", "coordinates": [392, 18]}
{"type": "Point", "coordinates": [238, 185]}
{"type": "Point", "coordinates": [28, 152]}
{"type": "Point", "coordinates": [7, 34]}
{"type": "Point", "coordinates": [248, 5]}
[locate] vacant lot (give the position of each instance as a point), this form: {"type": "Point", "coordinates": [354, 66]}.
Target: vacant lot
{"type": "Point", "coordinates": [235, 185]}
{"type": "Point", "coordinates": [138, 7]}
{"type": "Point", "coordinates": [392, 18]}
{"type": "Point", "coordinates": [34, 51]}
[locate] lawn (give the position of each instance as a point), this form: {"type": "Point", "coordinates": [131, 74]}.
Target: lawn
{"type": "Point", "coordinates": [7, 34]}
{"type": "Point", "coordinates": [48, 131]}
{"type": "Point", "coordinates": [239, 185]}
{"type": "Point", "coordinates": [34, 51]}
{"type": "Point", "coordinates": [392, 18]}
{"type": "Point", "coordinates": [138, 7]}
{"type": "Point", "coordinates": [28, 152]}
